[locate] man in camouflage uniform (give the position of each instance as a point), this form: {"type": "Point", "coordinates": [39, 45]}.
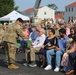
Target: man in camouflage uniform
{"type": "Point", "coordinates": [1, 35]}
{"type": "Point", "coordinates": [13, 31]}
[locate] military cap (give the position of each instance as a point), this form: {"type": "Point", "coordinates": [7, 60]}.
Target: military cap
{"type": "Point", "coordinates": [20, 20]}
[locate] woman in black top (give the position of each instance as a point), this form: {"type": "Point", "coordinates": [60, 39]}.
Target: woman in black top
{"type": "Point", "coordinates": [50, 42]}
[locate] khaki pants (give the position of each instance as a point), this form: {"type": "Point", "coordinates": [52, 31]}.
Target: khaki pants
{"type": "Point", "coordinates": [32, 53]}
{"type": "Point", "coordinates": [27, 55]}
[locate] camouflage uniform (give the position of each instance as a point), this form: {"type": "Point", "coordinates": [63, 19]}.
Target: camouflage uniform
{"type": "Point", "coordinates": [1, 34]}
{"type": "Point", "coordinates": [10, 41]}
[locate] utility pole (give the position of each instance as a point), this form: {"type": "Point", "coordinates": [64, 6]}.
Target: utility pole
{"type": "Point", "coordinates": [36, 6]}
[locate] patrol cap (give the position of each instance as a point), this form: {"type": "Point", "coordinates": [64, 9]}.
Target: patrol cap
{"type": "Point", "coordinates": [20, 20]}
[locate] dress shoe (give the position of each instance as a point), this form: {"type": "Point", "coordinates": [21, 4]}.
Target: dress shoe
{"type": "Point", "coordinates": [70, 72]}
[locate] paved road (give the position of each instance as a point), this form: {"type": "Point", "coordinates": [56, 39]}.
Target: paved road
{"type": "Point", "coordinates": [23, 70]}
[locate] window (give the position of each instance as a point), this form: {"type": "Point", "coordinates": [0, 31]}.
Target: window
{"type": "Point", "coordinates": [69, 9]}
{"type": "Point", "coordinates": [69, 20]}
{"type": "Point", "coordinates": [66, 9]}
{"type": "Point", "coordinates": [72, 9]}
{"type": "Point", "coordinates": [72, 18]}
{"type": "Point", "coordinates": [44, 13]}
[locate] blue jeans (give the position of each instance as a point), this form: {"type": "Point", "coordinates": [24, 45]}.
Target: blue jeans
{"type": "Point", "coordinates": [58, 54]}
{"type": "Point", "coordinates": [23, 43]}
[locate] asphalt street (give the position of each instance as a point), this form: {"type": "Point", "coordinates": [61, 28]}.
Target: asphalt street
{"type": "Point", "coordinates": [23, 70]}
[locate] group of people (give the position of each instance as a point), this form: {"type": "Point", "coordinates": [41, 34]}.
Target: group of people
{"type": "Point", "coordinates": [45, 41]}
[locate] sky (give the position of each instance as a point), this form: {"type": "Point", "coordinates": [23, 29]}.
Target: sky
{"type": "Point", "coordinates": [25, 4]}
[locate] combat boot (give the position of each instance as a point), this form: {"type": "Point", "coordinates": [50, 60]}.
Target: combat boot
{"type": "Point", "coordinates": [12, 66]}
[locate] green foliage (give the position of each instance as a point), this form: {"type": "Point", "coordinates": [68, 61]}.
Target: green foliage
{"type": "Point", "coordinates": [53, 6]}
{"type": "Point", "coordinates": [6, 6]}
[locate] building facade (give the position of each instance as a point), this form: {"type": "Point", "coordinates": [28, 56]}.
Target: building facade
{"type": "Point", "coordinates": [43, 13]}
{"type": "Point", "coordinates": [70, 12]}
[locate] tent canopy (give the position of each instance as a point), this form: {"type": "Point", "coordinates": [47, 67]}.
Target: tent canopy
{"type": "Point", "coordinates": [13, 16]}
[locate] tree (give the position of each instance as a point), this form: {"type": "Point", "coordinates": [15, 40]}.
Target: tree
{"type": "Point", "coordinates": [53, 6]}
{"type": "Point", "coordinates": [6, 6]}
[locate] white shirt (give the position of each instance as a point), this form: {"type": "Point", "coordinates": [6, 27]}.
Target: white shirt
{"type": "Point", "coordinates": [39, 41]}
{"type": "Point", "coordinates": [74, 21]}
{"type": "Point", "coordinates": [30, 36]}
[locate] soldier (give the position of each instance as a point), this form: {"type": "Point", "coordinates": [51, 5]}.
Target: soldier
{"type": "Point", "coordinates": [1, 35]}
{"type": "Point", "coordinates": [14, 30]}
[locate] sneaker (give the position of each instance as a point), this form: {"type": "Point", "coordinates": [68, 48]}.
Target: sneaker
{"type": "Point", "coordinates": [49, 67]}
{"type": "Point", "coordinates": [25, 64]}
{"type": "Point", "coordinates": [56, 69]}
{"type": "Point", "coordinates": [33, 64]}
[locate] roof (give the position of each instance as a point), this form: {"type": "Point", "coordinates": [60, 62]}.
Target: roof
{"type": "Point", "coordinates": [72, 4]}
{"type": "Point", "coordinates": [59, 15]}
{"type": "Point", "coordinates": [30, 9]}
